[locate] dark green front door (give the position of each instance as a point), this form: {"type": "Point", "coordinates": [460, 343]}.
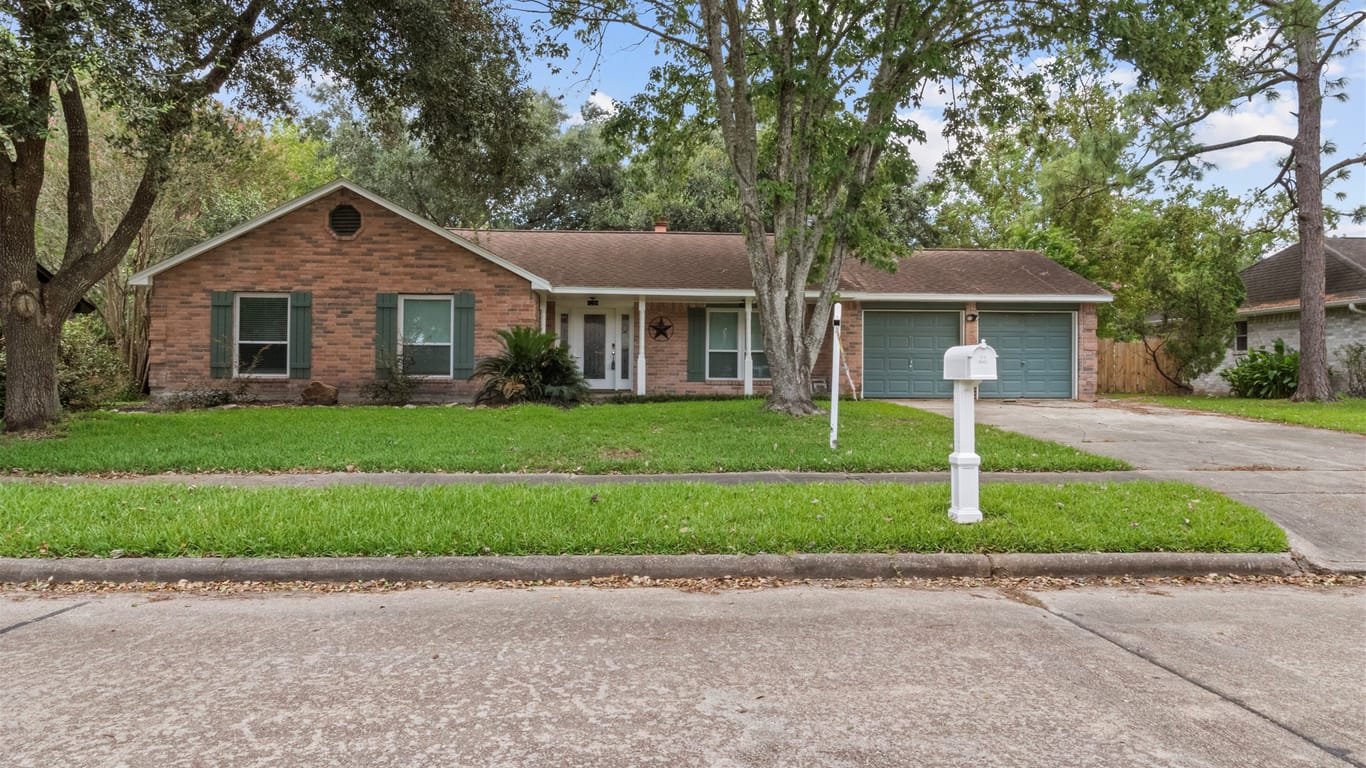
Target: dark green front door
{"type": "Point", "coordinates": [1033, 353]}
{"type": "Point", "coordinates": [903, 352]}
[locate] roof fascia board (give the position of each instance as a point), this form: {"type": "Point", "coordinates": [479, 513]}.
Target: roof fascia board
{"type": "Point", "coordinates": [1330, 304]}
{"type": "Point", "coordinates": [977, 297]}
{"type": "Point", "coordinates": [726, 293]}
{"type": "Point", "coordinates": [145, 276]}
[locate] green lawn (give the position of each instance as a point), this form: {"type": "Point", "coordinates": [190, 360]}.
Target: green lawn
{"type": "Point", "coordinates": [1347, 414]}
{"type": "Point", "coordinates": [163, 520]}
{"type": "Point", "coordinates": [729, 436]}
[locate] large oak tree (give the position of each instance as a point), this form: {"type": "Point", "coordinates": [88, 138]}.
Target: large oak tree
{"type": "Point", "coordinates": [448, 66]}
{"type": "Point", "coordinates": [812, 99]}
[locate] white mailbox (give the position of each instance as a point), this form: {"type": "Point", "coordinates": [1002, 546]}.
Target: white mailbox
{"type": "Point", "coordinates": [965, 366]}
{"type": "Point", "coordinates": [973, 362]}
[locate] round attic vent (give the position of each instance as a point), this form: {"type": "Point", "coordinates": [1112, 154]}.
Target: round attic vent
{"type": "Point", "coordinates": [344, 221]}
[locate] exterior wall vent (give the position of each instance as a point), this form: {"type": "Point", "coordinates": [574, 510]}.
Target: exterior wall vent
{"type": "Point", "coordinates": [344, 221]}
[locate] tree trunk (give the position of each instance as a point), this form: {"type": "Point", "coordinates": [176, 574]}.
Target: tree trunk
{"type": "Point", "coordinates": [31, 367]}
{"type": "Point", "coordinates": [791, 374]}
{"type": "Point", "coordinates": [1314, 381]}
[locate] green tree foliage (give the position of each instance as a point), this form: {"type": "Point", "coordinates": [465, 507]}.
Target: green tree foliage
{"type": "Point", "coordinates": [449, 67]}
{"type": "Point", "coordinates": [1274, 45]}
{"type": "Point", "coordinates": [811, 98]}
{"type": "Point", "coordinates": [1057, 183]}
{"type": "Point", "coordinates": [1175, 267]}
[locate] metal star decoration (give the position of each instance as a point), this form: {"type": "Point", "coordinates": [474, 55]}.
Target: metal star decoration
{"type": "Point", "coordinates": [661, 328]}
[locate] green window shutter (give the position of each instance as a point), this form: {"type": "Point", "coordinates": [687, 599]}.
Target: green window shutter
{"type": "Point", "coordinates": [386, 333]}
{"type": "Point", "coordinates": [220, 335]}
{"type": "Point", "coordinates": [697, 343]}
{"type": "Point", "coordinates": [300, 335]}
{"type": "Point", "coordinates": [462, 336]}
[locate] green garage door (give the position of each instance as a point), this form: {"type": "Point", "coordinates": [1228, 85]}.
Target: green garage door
{"type": "Point", "coordinates": [1033, 353]}
{"type": "Point", "coordinates": [903, 352]}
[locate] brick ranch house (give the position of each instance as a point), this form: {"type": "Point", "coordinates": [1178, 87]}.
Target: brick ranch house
{"type": "Point", "coordinates": [337, 284]}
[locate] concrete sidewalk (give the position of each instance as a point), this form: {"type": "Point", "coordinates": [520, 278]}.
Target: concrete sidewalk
{"type": "Point", "coordinates": [1311, 482]}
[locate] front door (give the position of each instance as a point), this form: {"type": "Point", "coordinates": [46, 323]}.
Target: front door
{"type": "Point", "coordinates": [601, 341]}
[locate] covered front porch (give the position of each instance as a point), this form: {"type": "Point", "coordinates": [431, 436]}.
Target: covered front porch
{"type": "Point", "coordinates": [676, 343]}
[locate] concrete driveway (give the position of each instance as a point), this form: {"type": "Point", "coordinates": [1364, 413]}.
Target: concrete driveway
{"type": "Point", "coordinates": [1312, 482]}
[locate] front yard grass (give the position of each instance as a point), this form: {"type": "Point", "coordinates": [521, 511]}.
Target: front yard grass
{"type": "Point", "coordinates": [719, 436]}
{"type": "Point", "coordinates": [166, 520]}
{"type": "Point", "coordinates": [1348, 414]}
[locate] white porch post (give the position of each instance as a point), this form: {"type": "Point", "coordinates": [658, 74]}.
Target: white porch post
{"type": "Point", "coordinates": [640, 350]}
{"type": "Point", "coordinates": [544, 319]}
{"type": "Point", "coordinates": [749, 354]}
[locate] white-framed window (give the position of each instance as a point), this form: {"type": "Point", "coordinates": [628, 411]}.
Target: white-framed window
{"type": "Point", "coordinates": [725, 352]}
{"type": "Point", "coordinates": [1240, 336]}
{"type": "Point", "coordinates": [426, 326]}
{"type": "Point", "coordinates": [261, 335]}
{"type": "Point", "coordinates": [756, 348]}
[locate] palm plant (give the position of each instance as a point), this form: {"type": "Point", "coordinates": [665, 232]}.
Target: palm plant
{"type": "Point", "coordinates": [531, 368]}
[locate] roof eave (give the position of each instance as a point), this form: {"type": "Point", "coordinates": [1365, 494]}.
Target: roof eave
{"type": "Point", "coordinates": [1295, 306]}
{"type": "Point", "coordinates": [980, 298]}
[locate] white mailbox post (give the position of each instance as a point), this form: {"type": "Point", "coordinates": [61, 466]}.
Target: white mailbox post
{"type": "Point", "coordinates": [966, 366]}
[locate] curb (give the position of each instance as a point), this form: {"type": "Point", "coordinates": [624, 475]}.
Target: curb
{"type": "Point", "coordinates": [582, 567]}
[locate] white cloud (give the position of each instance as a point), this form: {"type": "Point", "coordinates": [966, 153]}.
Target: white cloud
{"type": "Point", "coordinates": [936, 145]}
{"type": "Point", "coordinates": [1348, 229]}
{"type": "Point", "coordinates": [1253, 118]}
{"type": "Point", "coordinates": [598, 99]}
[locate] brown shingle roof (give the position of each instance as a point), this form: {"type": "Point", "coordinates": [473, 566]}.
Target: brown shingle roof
{"type": "Point", "coordinates": [1274, 282]}
{"type": "Point", "coordinates": [970, 272]}
{"type": "Point", "coordinates": [682, 261]}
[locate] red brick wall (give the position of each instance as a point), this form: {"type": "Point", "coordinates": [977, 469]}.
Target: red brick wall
{"type": "Point", "coordinates": [297, 252]}
{"type": "Point", "coordinates": [851, 349]}
{"type": "Point", "coordinates": [666, 361]}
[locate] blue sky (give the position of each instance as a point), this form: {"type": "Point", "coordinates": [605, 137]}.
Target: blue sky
{"type": "Point", "coordinates": [623, 70]}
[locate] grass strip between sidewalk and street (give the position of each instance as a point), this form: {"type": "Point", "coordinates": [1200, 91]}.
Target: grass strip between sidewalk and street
{"type": "Point", "coordinates": [714, 436]}
{"type": "Point", "coordinates": [166, 520]}
{"type": "Point", "coordinates": [1347, 414]}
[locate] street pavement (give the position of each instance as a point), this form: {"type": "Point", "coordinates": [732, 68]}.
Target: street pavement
{"type": "Point", "coordinates": [1311, 482]}
{"type": "Point", "coordinates": [1154, 675]}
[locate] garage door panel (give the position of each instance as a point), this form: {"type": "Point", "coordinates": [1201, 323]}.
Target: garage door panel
{"type": "Point", "coordinates": [903, 352]}
{"type": "Point", "coordinates": [1034, 353]}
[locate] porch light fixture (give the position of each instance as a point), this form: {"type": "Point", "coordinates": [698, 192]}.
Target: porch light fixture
{"type": "Point", "coordinates": [972, 317]}
{"type": "Point", "coordinates": [592, 301]}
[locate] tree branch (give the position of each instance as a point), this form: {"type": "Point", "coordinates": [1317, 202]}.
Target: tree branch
{"type": "Point", "coordinates": [1334, 168]}
{"type": "Point", "coordinates": [82, 229]}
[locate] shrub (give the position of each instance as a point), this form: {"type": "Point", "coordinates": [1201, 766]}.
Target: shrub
{"type": "Point", "coordinates": [1266, 375]}
{"type": "Point", "coordinates": [197, 396]}
{"type": "Point", "coordinates": [531, 368]}
{"type": "Point", "coordinates": [89, 371]}
{"type": "Point", "coordinates": [394, 385]}
{"type": "Point", "coordinates": [1353, 358]}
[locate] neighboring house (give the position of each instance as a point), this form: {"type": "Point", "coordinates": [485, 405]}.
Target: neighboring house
{"type": "Point", "coordinates": [337, 284]}
{"type": "Point", "coordinates": [1272, 308]}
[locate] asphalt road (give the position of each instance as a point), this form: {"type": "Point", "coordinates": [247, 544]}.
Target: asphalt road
{"type": "Point", "coordinates": [797, 676]}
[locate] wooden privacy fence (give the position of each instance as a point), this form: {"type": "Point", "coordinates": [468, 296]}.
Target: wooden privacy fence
{"type": "Point", "coordinates": [1126, 366]}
